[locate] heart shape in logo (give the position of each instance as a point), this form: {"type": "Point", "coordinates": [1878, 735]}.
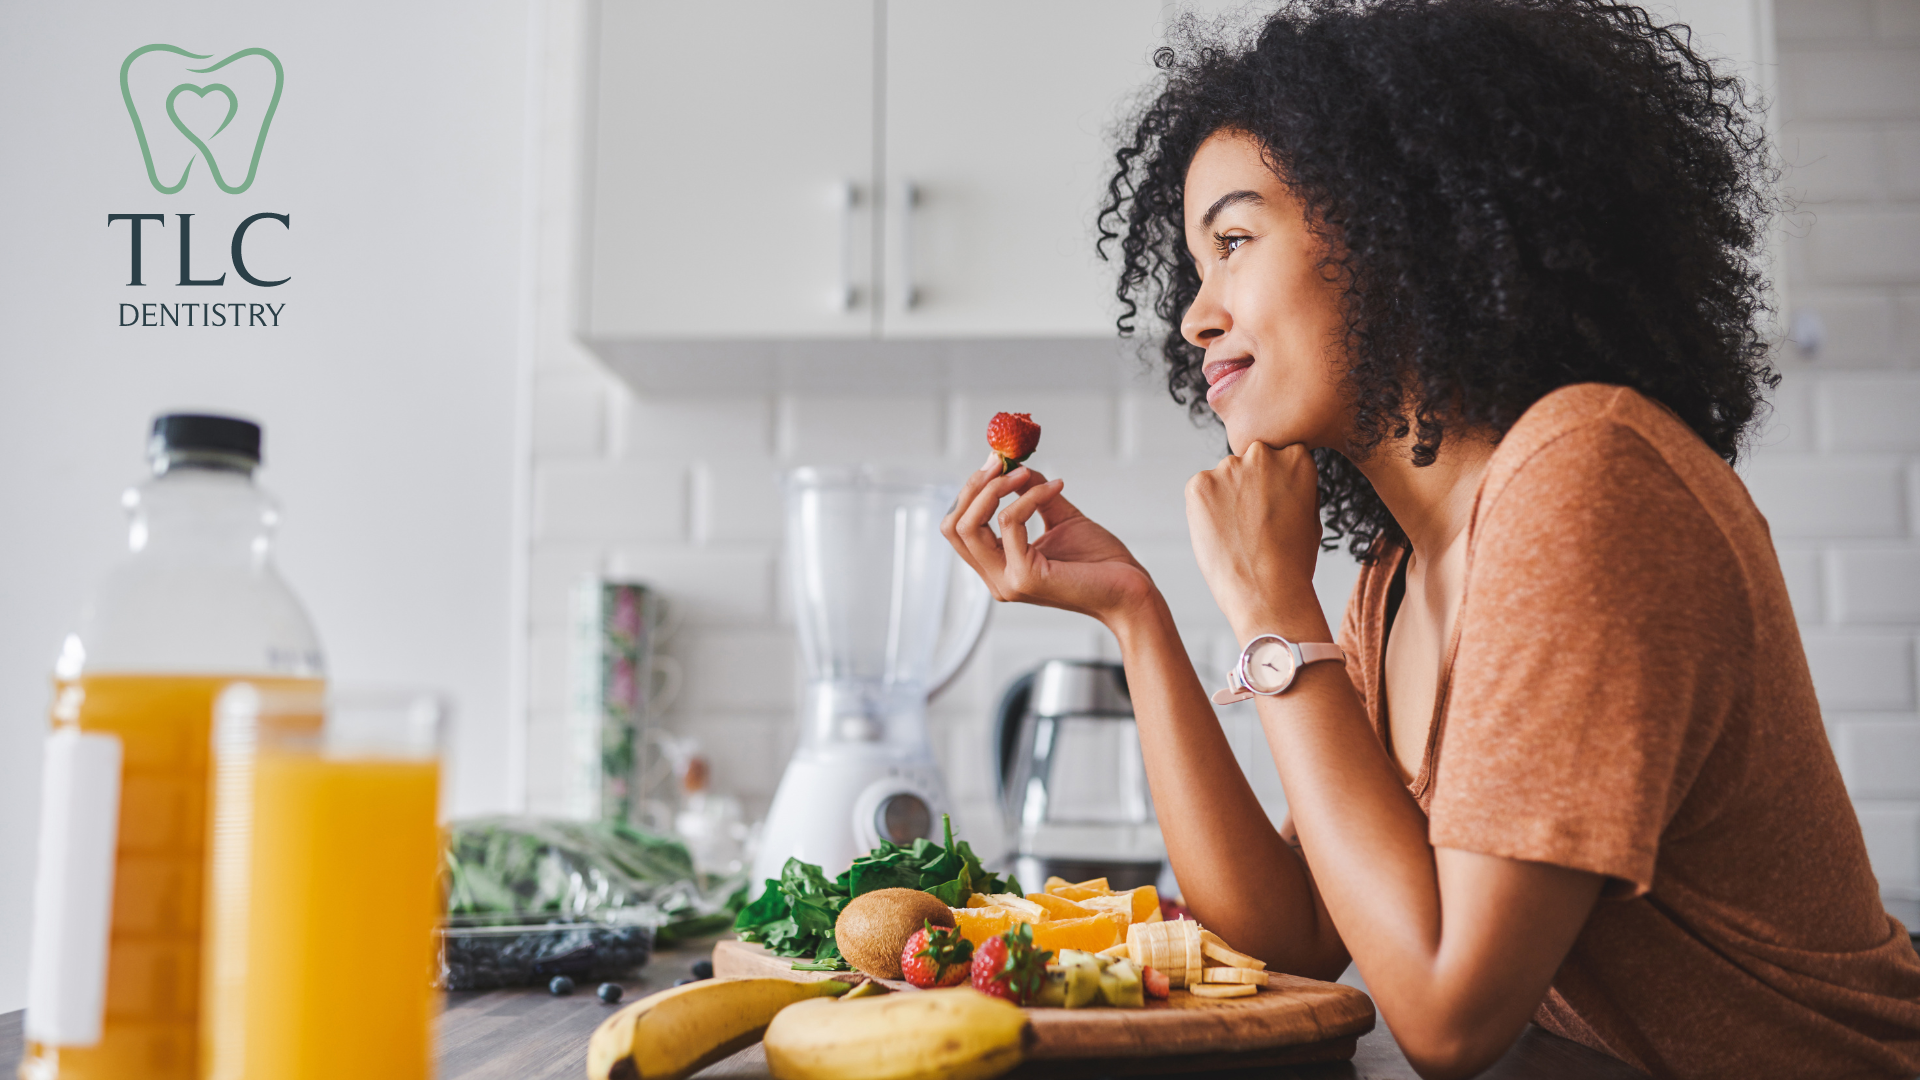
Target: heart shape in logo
{"type": "Point", "coordinates": [233, 106]}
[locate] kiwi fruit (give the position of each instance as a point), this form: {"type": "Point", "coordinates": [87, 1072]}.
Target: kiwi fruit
{"type": "Point", "coordinates": [875, 926]}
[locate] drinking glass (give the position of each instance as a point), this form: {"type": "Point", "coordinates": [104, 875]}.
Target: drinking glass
{"type": "Point", "coordinates": [324, 885]}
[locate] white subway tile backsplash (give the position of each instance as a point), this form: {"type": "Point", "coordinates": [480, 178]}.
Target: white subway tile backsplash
{"type": "Point", "coordinates": [852, 429]}
{"type": "Point", "coordinates": [1897, 19]}
{"type": "Point", "coordinates": [547, 657]}
{"type": "Point", "coordinates": [1903, 157]}
{"type": "Point", "coordinates": [1827, 165]}
{"type": "Point", "coordinates": [1138, 502]}
{"type": "Point", "coordinates": [735, 670]}
{"type": "Point", "coordinates": [569, 416]}
{"type": "Point", "coordinates": [706, 586]}
{"type": "Point", "coordinates": [1867, 246]}
{"type": "Point", "coordinates": [1872, 413]}
{"type": "Point", "coordinates": [652, 429]}
{"type": "Point", "coordinates": [1877, 758]}
{"type": "Point", "coordinates": [1156, 428]}
{"type": "Point", "coordinates": [1906, 329]}
{"type": "Point", "coordinates": [1802, 569]}
{"type": "Point", "coordinates": [1857, 328]}
{"type": "Point", "coordinates": [1849, 84]}
{"type": "Point", "coordinates": [1877, 586]}
{"type": "Point", "coordinates": [1892, 832]}
{"type": "Point", "coordinates": [1818, 20]}
{"type": "Point", "coordinates": [738, 500]}
{"type": "Point", "coordinates": [609, 501]}
{"type": "Point", "coordinates": [1807, 497]}
{"type": "Point", "coordinates": [1857, 671]}
{"type": "Point", "coordinates": [552, 571]}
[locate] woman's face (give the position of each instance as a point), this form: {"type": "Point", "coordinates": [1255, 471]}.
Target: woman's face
{"type": "Point", "coordinates": [1266, 314]}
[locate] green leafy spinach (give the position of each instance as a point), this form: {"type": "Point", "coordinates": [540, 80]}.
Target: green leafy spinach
{"type": "Point", "coordinates": [795, 915]}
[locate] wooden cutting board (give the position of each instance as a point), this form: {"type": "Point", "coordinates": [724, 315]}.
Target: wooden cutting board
{"type": "Point", "coordinates": [1292, 1021]}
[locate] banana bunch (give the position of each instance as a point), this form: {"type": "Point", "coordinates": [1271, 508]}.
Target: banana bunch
{"type": "Point", "coordinates": [953, 1034]}
{"type": "Point", "coordinates": [676, 1033]}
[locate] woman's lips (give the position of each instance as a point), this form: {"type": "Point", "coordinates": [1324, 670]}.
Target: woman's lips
{"type": "Point", "coordinates": [1222, 374]}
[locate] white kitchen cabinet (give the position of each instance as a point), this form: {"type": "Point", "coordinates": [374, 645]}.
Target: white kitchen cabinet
{"type": "Point", "coordinates": [727, 138]}
{"type": "Point", "coordinates": [999, 122]}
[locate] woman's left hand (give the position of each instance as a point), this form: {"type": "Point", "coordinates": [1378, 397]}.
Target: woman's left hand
{"type": "Point", "coordinates": [1255, 522]}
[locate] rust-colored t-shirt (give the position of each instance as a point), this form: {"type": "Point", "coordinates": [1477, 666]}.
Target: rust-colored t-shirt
{"type": "Point", "coordinates": [1627, 694]}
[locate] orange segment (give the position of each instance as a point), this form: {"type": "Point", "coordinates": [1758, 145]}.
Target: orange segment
{"type": "Point", "coordinates": [1093, 933]}
{"type": "Point", "coordinates": [1059, 907]}
{"type": "Point", "coordinates": [1098, 883]}
{"type": "Point", "coordinates": [979, 924]}
{"type": "Point", "coordinates": [1076, 892]}
{"type": "Point", "coordinates": [978, 900]}
{"type": "Point", "coordinates": [1146, 903]}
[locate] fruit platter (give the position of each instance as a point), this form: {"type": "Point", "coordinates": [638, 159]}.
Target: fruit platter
{"type": "Point", "coordinates": [918, 962]}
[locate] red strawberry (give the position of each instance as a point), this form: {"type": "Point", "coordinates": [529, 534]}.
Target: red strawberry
{"type": "Point", "coordinates": [1009, 967]}
{"type": "Point", "coordinates": [1013, 436]}
{"type": "Point", "coordinates": [1155, 983]}
{"type": "Point", "coordinates": [936, 956]}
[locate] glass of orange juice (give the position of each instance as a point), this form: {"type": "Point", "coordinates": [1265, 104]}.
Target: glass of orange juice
{"type": "Point", "coordinates": [324, 885]}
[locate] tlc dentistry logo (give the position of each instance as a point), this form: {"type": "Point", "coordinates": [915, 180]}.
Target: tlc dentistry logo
{"type": "Point", "coordinates": [200, 125]}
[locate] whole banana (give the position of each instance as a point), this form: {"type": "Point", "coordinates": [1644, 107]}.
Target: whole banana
{"type": "Point", "coordinates": [953, 1034]}
{"type": "Point", "coordinates": [676, 1033]}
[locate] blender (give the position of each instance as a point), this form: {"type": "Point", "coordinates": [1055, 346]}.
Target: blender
{"type": "Point", "coordinates": [869, 573]}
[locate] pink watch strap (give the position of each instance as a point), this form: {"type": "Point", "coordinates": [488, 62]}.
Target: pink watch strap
{"type": "Point", "coordinates": [1321, 650]}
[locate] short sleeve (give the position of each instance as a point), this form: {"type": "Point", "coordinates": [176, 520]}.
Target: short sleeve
{"type": "Point", "coordinates": [1602, 637]}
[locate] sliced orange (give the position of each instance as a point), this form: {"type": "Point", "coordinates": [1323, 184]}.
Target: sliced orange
{"type": "Point", "coordinates": [1075, 892]}
{"type": "Point", "coordinates": [1099, 883]}
{"type": "Point", "coordinates": [979, 924]}
{"type": "Point", "coordinates": [1059, 907]}
{"type": "Point", "coordinates": [1146, 903]}
{"type": "Point", "coordinates": [1093, 933]}
{"type": "Point", "coordinates": [1055, 883]}
{"type": "Point", "coordinates": [978, 900]}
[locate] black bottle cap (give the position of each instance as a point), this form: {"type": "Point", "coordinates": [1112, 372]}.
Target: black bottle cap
{"type": "Point", "coordinates": [193, 434]}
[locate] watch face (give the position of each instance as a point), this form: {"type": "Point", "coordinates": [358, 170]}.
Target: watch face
{"type": "Point", "coordinates": [1269, 667]}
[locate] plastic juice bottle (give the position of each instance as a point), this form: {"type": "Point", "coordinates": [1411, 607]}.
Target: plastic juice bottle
{"type": "Point", "coordinates": [114, 974]}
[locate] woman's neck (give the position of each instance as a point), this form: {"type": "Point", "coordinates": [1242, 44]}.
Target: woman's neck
{"type": "Point", "coordinates": [1433, 503]}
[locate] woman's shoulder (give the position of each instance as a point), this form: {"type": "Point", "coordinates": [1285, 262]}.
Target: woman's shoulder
{"type": "Point", "coordinates": [1598, 445]}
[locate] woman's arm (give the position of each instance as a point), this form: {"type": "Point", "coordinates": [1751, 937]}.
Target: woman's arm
{"type": "Point", "coordinates": [1457, 948]}
{"type": "Point", "coordinates": [1240, 877]}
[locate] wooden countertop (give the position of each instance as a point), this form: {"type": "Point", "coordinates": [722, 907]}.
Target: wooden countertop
{"type": "Point", "coordinates": [529, 1034]}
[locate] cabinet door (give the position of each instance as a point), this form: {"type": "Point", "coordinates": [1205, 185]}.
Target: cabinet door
{"type": "Point", "coordinates": [998, 119]}
{"type": "Point", "coordinates": [727, 137]}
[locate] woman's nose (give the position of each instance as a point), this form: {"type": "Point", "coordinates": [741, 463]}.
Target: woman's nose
{"type": "Point", "coordinates": [1206, 317]}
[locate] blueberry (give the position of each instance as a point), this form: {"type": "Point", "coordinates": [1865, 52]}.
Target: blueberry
{"type": "Point", "coordinates": [610, 993]}
{"type": "Point", "coordinates": [561, 986]}
{"type": "Point", "coordinates": [703, 969]}
{"type": "Point", "coordinates": [684, 982]}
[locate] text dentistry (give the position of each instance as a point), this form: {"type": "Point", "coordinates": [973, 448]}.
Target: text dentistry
{"type": "Point", "coordinates": [190, 314]}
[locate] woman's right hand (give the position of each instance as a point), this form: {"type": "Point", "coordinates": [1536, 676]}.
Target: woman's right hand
{"type": "Point", "coordinates": [1075, 564]}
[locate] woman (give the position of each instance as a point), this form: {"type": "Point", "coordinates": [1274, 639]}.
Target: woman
{"type": "Point", "coordinates": [1472, 284]}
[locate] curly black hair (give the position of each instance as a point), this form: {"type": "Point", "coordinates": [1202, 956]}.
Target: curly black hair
{"type": "Point", "coordinates": [1516, 195]}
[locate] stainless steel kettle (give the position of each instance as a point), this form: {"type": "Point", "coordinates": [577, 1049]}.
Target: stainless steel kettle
{"type": "Point", "coordinates": [1073, 785]}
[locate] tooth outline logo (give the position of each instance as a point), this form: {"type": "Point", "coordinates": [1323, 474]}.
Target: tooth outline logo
{"type": "Point", "coordinates": [199, 144]}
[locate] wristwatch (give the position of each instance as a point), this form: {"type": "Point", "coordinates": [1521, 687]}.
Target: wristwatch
{"type": "Point", "coordinates": [1268, 664]}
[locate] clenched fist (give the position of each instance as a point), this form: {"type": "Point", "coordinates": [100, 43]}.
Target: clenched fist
{"type": "Point", "coordinates": [1255, 522]}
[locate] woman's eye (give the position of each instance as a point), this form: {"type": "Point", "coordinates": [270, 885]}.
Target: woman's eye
{"type": "Point", "coordinates": [1226, 245]}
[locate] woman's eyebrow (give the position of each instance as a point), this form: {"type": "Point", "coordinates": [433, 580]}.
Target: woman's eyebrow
{"type": "Point", "coordinates": [1224, 201]}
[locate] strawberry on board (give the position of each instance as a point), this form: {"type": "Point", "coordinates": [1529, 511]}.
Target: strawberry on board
{"type": "Point", "coordinates": [1013, 436]}
{"type": "Point", "coordinates": [1009, 967]}
{"type": "Point", "coordinates": [936, 956]}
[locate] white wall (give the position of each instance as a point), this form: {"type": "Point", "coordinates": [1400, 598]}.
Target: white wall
{"type": "Point", "coordinates": [389, 392]}
{"type": "Point", "coordinates": [1840, 478]}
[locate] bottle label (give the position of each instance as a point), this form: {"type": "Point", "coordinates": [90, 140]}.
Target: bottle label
{"type": "Point", "coordinates": [73, 888]}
